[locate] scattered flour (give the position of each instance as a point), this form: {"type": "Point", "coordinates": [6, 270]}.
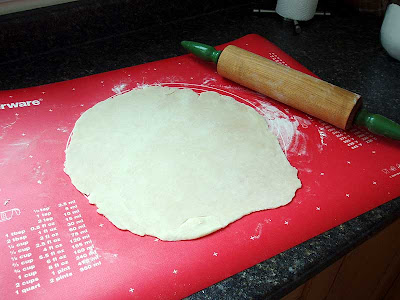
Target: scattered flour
{"type": "Point", "coordinates": [292, 141]}
{"type": "Point", "coordinates": [119, 88]}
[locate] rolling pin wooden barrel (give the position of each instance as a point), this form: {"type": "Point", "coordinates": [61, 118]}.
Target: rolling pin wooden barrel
{"type": "Point", "coordinates": [311, 95]}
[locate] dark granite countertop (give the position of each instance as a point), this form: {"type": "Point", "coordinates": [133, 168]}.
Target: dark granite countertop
{"type": "Point", "coordinates": [72, 40]}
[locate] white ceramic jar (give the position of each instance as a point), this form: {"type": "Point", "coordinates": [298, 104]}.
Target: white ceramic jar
{"type": "Point", "coordinates": [300, 10]}
{"type": "Point", "coordinates": [390, 31]}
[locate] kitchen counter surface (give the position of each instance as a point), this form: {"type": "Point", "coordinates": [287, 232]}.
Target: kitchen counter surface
{"type": "Point", "coordinates": [343, 49]}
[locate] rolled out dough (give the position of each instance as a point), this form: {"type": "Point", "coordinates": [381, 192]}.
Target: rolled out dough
{"type": "Point", "coordinates": [172, 164]}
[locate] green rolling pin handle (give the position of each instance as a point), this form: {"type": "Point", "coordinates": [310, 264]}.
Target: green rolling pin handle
{"type": "Point", "coordinates": [378, 124]}
{"type": "Point", "coordinates": [203, 51]}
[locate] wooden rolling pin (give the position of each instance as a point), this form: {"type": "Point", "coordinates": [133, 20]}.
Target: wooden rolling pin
{"type": "Point", "coordinates": [311, 95]}
{"type": "Point", "coordinates": [296, 89]}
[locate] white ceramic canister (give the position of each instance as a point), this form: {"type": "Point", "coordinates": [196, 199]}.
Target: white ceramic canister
{"type": "Point", "coordinates": [390, 31]}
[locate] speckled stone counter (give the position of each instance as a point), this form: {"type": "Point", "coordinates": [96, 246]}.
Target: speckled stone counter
{"type": "Point", "coordinates": [343, 49]}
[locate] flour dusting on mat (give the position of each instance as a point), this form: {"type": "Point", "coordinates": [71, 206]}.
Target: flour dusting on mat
{"type": "Point", "coordinates": [322, 136]}
{"type": "Point", "coordinates": [207, 80]}
{"type": "Point", "coordinates": [285, 128]}
{"type": "Point", "coordinates": [5, 127]}
{"type": "Point", "coordinates": [258, 232]}
{"type": "Point", "coordinates": [119, 88]}
{"type": "Point", "coordinates": [108, 256]}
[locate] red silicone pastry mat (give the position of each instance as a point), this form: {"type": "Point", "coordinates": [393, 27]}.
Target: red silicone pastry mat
{"type": "Point", "coordinates": [54, 245]}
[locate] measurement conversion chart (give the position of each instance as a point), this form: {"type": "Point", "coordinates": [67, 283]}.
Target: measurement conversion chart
{"type": "Point", "coordinates": [40, 255]}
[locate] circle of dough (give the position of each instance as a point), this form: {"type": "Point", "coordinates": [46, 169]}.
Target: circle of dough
{"type": "Point", "coordinates": [176, 165]}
